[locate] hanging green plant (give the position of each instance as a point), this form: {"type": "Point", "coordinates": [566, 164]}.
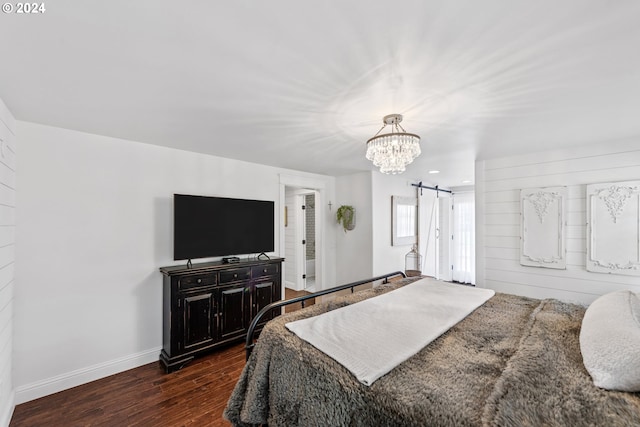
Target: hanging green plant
{"type": "Point", "coordinates": [346, 216]}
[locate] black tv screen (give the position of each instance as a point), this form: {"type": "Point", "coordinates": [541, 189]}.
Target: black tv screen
{"type": "Point", "coordinates": [217, 226]}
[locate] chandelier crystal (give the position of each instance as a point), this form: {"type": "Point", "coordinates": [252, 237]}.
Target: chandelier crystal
{"type": "Point", "coordinates": [392, 152]}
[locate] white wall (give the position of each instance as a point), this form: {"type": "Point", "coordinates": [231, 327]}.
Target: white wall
{"type": "Point", "coordinates": [354, 249]}
{"type": "Point", "coordinates": [498, 183]}
{"type": "Point", "coordinates": [8, 150]}
{"type": "Point", "coordinates": [366, 251]}
{"type": "Point", "coordinates": [387, 258]}
{"type": "Point", "coordinates": [95, 225]}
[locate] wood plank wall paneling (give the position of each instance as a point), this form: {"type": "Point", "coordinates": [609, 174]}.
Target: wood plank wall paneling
{"type": "Point", "coordinates": [499, 222]}
{"type": "Point", "coordinates": [7, 257]}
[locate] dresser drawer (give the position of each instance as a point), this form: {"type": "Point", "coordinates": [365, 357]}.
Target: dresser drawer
{"type": "Point", "coordinates": [235, 274]}
{"type": "Point", "coordinates": [189, 282]}
{"type": "Point", "coordinates": [264, 270]}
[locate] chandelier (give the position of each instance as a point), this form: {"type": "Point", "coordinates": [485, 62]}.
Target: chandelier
{"type": "Point", "coordinates": [392, 152]}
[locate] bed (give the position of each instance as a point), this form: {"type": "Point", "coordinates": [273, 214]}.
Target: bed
{"type": "Point", "coordinates": [514, 361]}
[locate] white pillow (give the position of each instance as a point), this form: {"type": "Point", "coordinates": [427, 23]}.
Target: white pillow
{"type": "Point", "coordinates": [610, 341]}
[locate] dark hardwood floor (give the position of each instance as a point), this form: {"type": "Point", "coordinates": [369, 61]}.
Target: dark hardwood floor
{"type": "Point", "coordinates": [290, 294]}
{"type": "Point", "coordinates": [196, 395]}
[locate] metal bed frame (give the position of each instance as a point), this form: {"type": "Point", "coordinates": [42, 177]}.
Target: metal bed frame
{"type": "Point", "coordinates": [249, 344]}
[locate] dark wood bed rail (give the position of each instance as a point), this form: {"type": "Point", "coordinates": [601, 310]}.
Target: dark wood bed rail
{"type": "Point", "coordinates": [250, 341]}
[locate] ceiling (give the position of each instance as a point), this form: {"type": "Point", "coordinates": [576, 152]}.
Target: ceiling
{"type": "Point", "coordinates": [304, 84]}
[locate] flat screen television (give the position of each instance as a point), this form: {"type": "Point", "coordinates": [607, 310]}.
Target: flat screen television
{"type": "Point", "coordinates": [218, 226]}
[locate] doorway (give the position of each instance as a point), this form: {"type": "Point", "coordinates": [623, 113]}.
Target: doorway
{"type": "Point", "coordinates": [450, 216]}
{"type": "Point", "coordinates": [456, 238]}
{"type": "Point", "coordinates": [301, 239]}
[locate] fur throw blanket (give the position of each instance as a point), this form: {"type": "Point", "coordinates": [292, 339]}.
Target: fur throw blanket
{"type": "Point", "coordinates": [513, 362]}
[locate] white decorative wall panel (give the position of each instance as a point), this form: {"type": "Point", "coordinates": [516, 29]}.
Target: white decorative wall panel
{"type": "Point", "coordinates": [542, 231]}
{"type": "Point", "coordinates": [613, 228]}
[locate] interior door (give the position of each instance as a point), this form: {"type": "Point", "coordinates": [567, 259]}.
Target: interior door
{"type": "Point", "coordinates": [444, 238]}
{"type": "Point", "coordinates": [302, 242]}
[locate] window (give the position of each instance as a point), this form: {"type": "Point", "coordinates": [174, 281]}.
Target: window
{"type": "Point", "coordinates": [463, 242]}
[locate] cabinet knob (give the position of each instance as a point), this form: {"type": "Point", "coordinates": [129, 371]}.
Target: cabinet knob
{"type": "Point", "coordinates": [264, 271]}
{"type": "Point", "coordinates": [235, 275]}
{"type": "Point", "coordinates": [199, 280]}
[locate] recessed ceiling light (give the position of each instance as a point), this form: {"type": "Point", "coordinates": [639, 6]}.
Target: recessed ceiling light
{"type": "Point", "coordinates": [434, 171]}
{"type": "Point", "coordinates": [466, 181]}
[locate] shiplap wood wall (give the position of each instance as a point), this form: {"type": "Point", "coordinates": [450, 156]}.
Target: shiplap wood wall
{"type": "Point", "coordinates": [7, 257]}
{"type": "Point", "coordinates": [498, 184]}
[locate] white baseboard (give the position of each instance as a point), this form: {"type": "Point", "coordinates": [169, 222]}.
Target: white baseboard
{"type": "Point", "coordinates": [81, 376]}
{"type": "Point", "coordinates": [290, 285]}
{"type": "Point", "coordinates": [6, 412]}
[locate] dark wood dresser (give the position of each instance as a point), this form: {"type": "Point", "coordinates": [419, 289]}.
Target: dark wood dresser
{"type": "Point", "coordinates": [211, 304]}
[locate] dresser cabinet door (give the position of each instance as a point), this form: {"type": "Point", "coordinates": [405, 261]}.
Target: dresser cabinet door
{"type": "Point", "coordinates": [234, 304]}
{"type": "Point", "coordinates": [199, 319]}
{"type": "Point", "coordinates": [262, 296]}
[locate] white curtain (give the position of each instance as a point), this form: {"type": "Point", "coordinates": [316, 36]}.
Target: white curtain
{"type": "Point", "coordinates": [464, 242]}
